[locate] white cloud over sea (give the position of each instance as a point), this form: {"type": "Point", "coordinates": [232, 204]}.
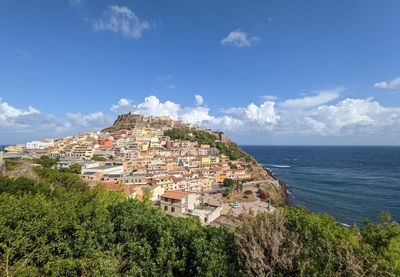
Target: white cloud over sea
{"type": "Point", "coordinates": [319, 114]}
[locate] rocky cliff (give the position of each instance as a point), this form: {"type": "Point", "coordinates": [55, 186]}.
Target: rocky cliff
{"type": "Point", "coordinates": [131, 120]}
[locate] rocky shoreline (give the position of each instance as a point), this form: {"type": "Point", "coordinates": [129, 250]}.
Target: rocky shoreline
{"type": "Point", "coordinates": [283, 187]}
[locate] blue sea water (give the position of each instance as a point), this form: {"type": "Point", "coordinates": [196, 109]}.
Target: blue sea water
{"type": "Point", "coordinates": [350, 183]}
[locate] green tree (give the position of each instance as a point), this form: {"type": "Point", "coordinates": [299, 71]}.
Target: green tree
{"type": "Point", "coordinates": [228, 182]}
{"type": "Point", "coordinates": [175, 133]}
{"type": "Point", "coordinates": [75, 168]}
{"type": "Point", "coordinates": [383, 240]}
{"type": "Point", "coordinates": [327, 247]}
{"type": "Point", "coordinates": [45, 161]}
{"type": "Point", "coordinates": [97, 158]}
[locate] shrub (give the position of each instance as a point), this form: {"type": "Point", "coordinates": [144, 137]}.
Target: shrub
{"type": "Point", "coordinates": [11, 165]}
{"type": "Point", "coordinates": [228, 182]}
{"type": "Point", "coordinates": [99, 159]}
{"type": "Point", "coordinates": [248, 192]}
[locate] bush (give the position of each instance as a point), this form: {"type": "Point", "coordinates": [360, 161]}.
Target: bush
{"type": "Point", "coordinates": [45, 161]}
{"type": "Point", "coordinates": [99, 159]}
{"type": "Point", "coordinates": [11, 164]}
{"type": "Point", "coordinates": [75, 168]}
{"type": "Point", "coordinates": [57, 226]}
{"type": "Point", "coordinates": [384, 240]}
{"type": "Point", "coordinates": [228, 182]}
{"type": "Point", "coordinates": [248, 192]}
{"type": "Point", "coordinates": [71, 231]}
{"type": "Point", "coordinates": [266, 247]}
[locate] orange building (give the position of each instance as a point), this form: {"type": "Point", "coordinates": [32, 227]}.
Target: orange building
{"type": "Point", "coordinates": [219, 177]}
{"type": "Point", "coordinates": [105, 143]}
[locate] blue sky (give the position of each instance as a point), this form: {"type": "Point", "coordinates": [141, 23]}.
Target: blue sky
{"type": "Point", "coordinates": [264, 72]}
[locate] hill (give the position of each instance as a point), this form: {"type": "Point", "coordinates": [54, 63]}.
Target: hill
{"type": "Point", "coordinates": [177, 130]}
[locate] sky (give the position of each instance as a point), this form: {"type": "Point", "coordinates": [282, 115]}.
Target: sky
{"type": "Point", "coordinates": [268, 72]}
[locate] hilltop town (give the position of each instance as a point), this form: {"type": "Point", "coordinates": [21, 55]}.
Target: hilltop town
{"type": "Point", "coordinates": [187, 170]}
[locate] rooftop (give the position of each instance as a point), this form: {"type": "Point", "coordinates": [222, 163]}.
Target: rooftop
{"type": "Point", "coordinates": [174, 194]}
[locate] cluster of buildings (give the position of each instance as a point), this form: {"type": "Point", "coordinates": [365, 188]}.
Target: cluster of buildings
{"type": "Point", "coordinates": [142, 158]}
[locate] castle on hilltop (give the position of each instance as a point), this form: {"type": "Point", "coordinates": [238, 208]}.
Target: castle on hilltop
{"type": "Point", "coordinates": [137, 121]}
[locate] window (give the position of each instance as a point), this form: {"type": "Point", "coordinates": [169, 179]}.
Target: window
{"type": "Point", "coordinates": [165, 208]}
{"type": "Point", "coordinates": [172, 209]}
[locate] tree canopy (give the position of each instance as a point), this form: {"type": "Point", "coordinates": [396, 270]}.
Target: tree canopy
{"type": "Point", "coordinates": [58, 226]}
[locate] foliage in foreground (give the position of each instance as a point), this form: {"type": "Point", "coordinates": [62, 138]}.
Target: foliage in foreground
{"type": "Point", "coordinates": [57, 226]}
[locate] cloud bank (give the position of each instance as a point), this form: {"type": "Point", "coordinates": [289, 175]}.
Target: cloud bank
{"type": "Point", "coordinates": [320, 115]}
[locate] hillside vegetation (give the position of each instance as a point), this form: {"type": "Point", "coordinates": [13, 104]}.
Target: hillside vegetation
{"type": "Point", "coordinates": [57, 226]}
{"type": "Point", "coordinates": [229, 148]}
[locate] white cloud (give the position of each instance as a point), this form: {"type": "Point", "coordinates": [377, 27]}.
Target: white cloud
{"type": "Point", "coordinates": [150, 106]}
{"type": "Point", "coordinates": [353, 116]}
{"type": "Point", "coordinates": [238, 39]}
{"type": "Point", "coordinates": [394, 84]}
{"type": "Point", "coordinates": [253, 117]}
{"type": "Point", "coordinates": [199, 99]}
{"type": "Point", "coordinates": [23, 53]}
{"type": "Point", "coordinates": [93, 121]}
{"type": "Point", "coordinates": [20, 125]}
{"type": "Point", "coordinates": [269, 97]}
{"type": "Point", "coordinates": [123, 106]}
{"type": "Point", "coordinates": [195, 115]}
{"type": "Point", "coordinates": [153, 106]}
{"type": "Point", "coordinates": [171, 86]}
{"type": "Point", "coordinates": [122, 20]}
{"type": "Point", "coordinates": [76, 3]}
{"type": "Point", "coordinates": [310, 116]}
{"type": "Point", "coordinates": [322, 97]}
{"type": "Point", "coordinates": [314, 117]}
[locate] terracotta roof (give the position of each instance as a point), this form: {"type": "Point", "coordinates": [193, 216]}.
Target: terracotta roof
{"type": "Point", "coordinates": [174, 194]}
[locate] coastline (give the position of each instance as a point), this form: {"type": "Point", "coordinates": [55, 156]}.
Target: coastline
{"type": "Point", "coordinates": [284, 188]}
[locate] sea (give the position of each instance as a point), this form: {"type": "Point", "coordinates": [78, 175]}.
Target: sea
{"type": "Point", "coordinates": [350, 183]}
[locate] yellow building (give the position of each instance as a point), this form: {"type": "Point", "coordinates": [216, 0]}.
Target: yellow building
{"type": "Point", "coordinates": [15, 148]}
{"type": "Point", "coordinates": [206, 184]}
{"type": "Point", "coordinates": [205, 160]}
{"type": "Point", "coordinates": [155, 145]}
{"type": "Point", "coordinates": [219, 177]}
{"type": "Point", "coordinates": [89, 153]}
{"type": "Point", "coordinates": [166, 182]}
{"type": "Point", "coordinates": [149, 131]}
{"type": "Point", "coordinates": [143, 146]}
{"type": "Point", "coordinates": [171, 166]}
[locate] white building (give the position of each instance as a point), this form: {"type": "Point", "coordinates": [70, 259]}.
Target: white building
{"type": "Point", "coordinates": [39, 144]}
{"type": "Point", "coordinates": [105, 169]}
